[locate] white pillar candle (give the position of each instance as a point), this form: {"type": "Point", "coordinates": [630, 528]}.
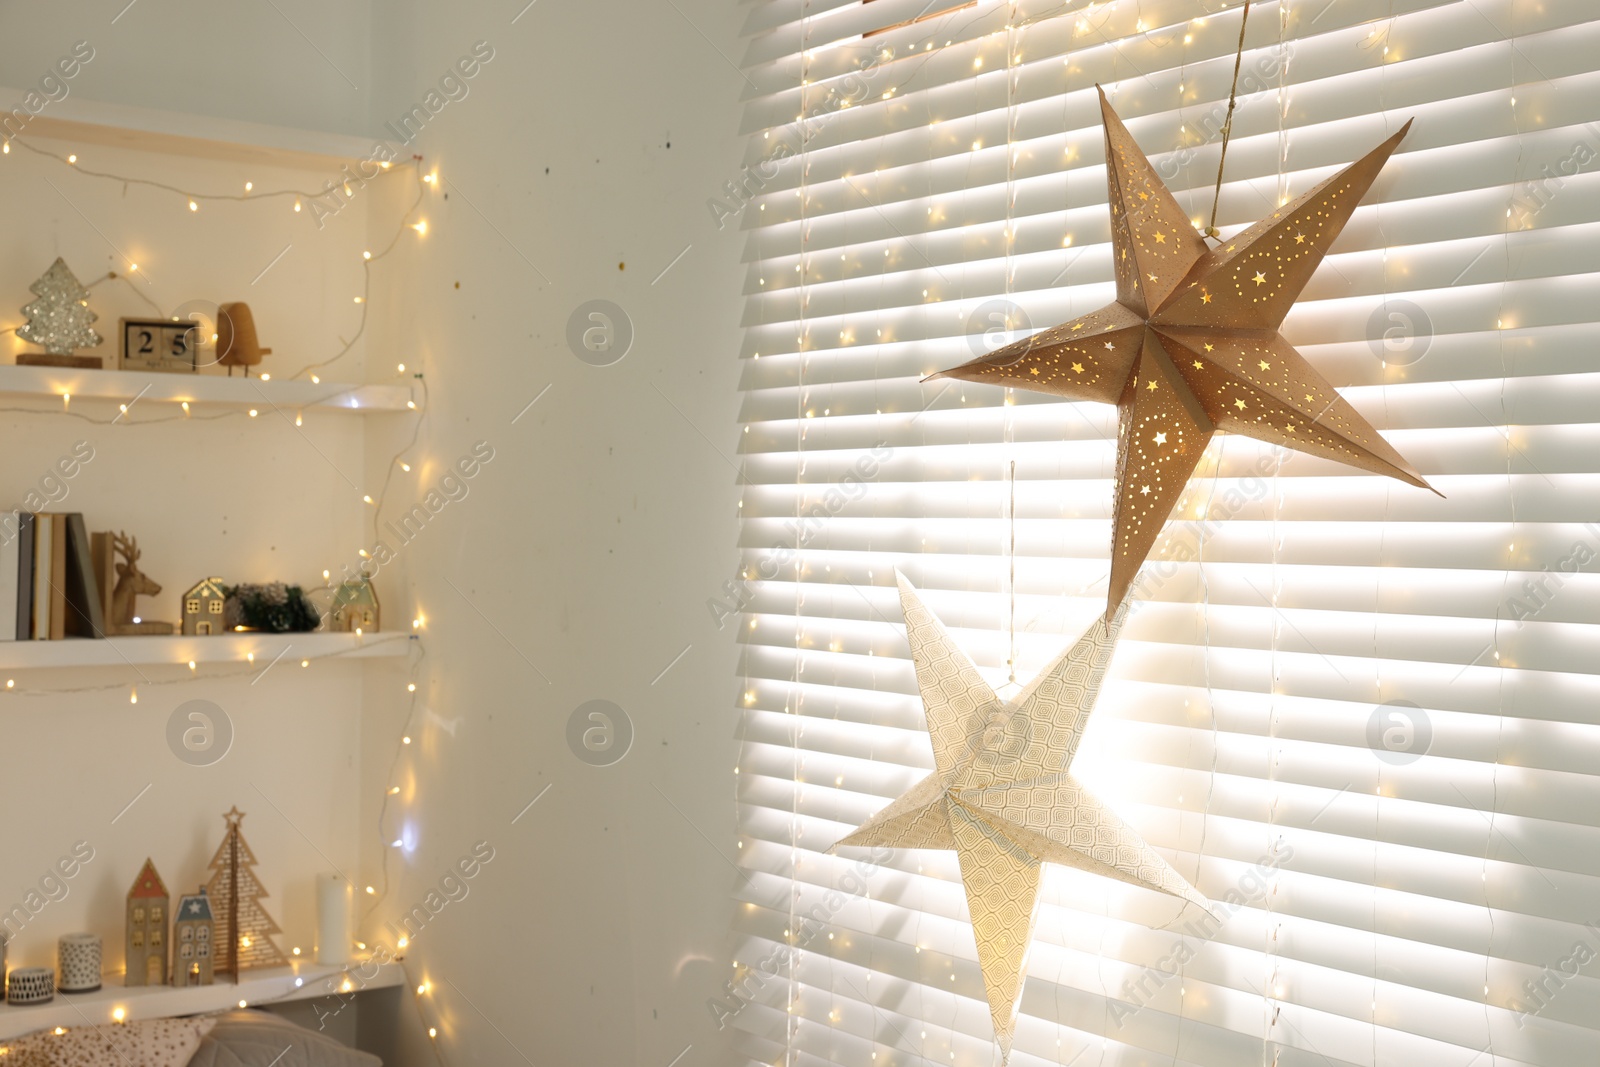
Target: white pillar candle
{"type": "Point", "coordinates": [333, 920]}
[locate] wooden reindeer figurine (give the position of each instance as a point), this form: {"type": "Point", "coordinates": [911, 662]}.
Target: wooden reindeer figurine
{"type": "Point", "coordinates": [131, 582]}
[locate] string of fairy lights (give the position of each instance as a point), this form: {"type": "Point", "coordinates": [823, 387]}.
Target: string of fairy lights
{"type": "Point", "coordinates": [134, 414]}
{"type": "Point", "coordinates": [1189, 137]}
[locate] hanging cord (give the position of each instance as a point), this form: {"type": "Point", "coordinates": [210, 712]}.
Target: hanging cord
{"type": "Point", "coordinates": [1227, 123]}
{"type": "Point", "coordinates": [1012, 581]}
{"type": "Point", "coordinates": [792, 700]}
{"type": "Point", "coordinates": [1273, 926]}
{"type": "Point", "coordinates": [1377, 614]}
{"type": "Point", "coordinates": [1511, 501]}
{"type": "Point", "coordinates": [1013, 73]}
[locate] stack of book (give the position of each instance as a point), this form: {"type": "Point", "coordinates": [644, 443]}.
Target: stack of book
{"type": "Point", "coordinates": [50, 587]}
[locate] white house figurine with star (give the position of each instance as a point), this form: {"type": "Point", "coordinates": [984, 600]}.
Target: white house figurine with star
{"type": "Point", "coordinates": [193, 937]}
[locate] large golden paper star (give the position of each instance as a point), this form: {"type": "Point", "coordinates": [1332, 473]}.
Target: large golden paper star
{"type": "Point", "coordinates": [1001, 798]}
{"type": "Point", "coordinates": [1191, 345]}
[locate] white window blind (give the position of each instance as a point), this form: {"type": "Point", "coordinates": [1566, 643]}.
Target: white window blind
{"type": "Point", "coordinates": [1360, 716]}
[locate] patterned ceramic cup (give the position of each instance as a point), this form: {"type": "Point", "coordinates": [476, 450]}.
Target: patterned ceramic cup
{"type": "Point", "coordinates": [79, 956]}
{"type": "Point", "coordinates": [30, 985]}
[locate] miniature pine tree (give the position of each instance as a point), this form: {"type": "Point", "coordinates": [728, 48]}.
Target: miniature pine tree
{"type": "Point", "coordinates": [243, 928]}
{"type": "Point", "coordinates": [59, 320]}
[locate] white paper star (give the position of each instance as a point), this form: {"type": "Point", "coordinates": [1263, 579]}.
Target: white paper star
{"type": "Point", "coordinates": [1001, 798]}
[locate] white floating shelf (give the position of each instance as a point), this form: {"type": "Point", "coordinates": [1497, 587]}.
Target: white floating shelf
{"type": "Point", "coordinates": [154, 130]}
{"type": "Point", "coordinates": [212, 390]}
{"type": "Point", "coordinates": [217, 648]}
{"type": "Point", "coordinates": [299, 981]}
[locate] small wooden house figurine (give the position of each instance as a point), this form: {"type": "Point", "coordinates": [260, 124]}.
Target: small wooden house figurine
{"type": "Point", "coordinates": [202, 608]}
{"type": "Point", "coordinates": [192, 931]}
{"type": "Point", "coordinates": [148, 902]}
{"type": "Point", "coordinates": [355, 607]}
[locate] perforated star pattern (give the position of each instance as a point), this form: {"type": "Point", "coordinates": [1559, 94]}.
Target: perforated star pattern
{"type": "Point", "coordinates": [1192, 346]}
{"type": "Point", "coordinates": [1001, 798]}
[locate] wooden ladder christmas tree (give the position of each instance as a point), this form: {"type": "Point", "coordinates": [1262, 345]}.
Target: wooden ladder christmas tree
{"type": "Point", "coordinates": [243, 928]}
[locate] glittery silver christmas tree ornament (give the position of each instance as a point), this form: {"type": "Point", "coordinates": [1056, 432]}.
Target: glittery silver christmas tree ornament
{"type": "Point", "coordinates": [59, 320]}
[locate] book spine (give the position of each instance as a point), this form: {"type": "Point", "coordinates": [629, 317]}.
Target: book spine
{"type": "Point", "coordinates": [10, 531]}
{"type": "Point", "coordinates": [24, 605]}
{"type": "Point", "coordinates": [83, 586]}
{"type": "Point", "coordinates": [42, 545]}
{"type": "Point", "coordinates": [58, 577]}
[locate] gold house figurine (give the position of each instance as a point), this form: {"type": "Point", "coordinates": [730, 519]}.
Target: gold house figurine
{"type": "Point", "coordinates": [202, 608]}
{"type": "Point", "coordinates": [192, 941]}
{"type": "Point", "coordinates": [147, 929]}
{"type": "Point", "coordinates": [355, 607]}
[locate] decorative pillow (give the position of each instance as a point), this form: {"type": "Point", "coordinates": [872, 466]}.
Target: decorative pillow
{"type": "Point", "coordinates": [261, 1039]}
{"type": "Point", "coordinates": [145, 1043]}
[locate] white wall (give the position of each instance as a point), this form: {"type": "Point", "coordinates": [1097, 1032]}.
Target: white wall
{"type": "Point", "coordinates": [590, 543]}
{"type": "Point", "coordinates": [588, 546]}
{"type": "Point", "coordinates": [287, 63]}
